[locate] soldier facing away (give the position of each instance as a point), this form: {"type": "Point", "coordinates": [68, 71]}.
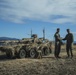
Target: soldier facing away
{"type": "Point", "coordinates": [69, 41]}
{"type": "Point", "coordinates": [57, 43]}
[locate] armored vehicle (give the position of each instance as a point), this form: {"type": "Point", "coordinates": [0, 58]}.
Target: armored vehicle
{"type": "Point", "coordinates": [27, 47]}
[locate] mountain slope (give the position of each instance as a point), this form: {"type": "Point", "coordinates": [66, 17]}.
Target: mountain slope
{"type": "Point", "coordinates": [8, 38]}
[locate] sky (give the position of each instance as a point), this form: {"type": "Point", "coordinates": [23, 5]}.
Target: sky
{"type": "Point", "coordinates": [19, 17]}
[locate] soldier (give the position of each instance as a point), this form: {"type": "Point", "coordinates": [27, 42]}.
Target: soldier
{"type": "Point", "coordinates": [35, 39]}
{"type": "Point", "coordinates": [57, 43]}
{"type": "Point", "coordinates": [69, 41]}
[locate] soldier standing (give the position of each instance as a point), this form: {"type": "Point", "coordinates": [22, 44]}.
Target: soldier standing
{"type": "Point", "coordinates": [57, 43]}
{"type": "Point", "coordinates": [69, 41]}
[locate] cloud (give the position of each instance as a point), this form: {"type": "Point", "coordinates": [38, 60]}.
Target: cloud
{"type": "Point", "coordinates": [54, 11]}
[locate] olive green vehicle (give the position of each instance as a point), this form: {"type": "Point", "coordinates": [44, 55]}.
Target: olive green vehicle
{"type": "Point", "coordinates": [28, 47]}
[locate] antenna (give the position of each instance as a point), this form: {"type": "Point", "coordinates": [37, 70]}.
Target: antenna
{"type": "Point", "coordinates": [44, 34]}
{"type": "Point", "coordinates": [31, 33]}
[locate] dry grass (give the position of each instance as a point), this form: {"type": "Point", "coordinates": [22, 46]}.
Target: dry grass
{"type": "Point", "coordinates": [45, 66]}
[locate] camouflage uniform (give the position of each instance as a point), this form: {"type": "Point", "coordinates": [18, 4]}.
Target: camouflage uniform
{"type": "Point", "coordinates": [57, 44]}
{"type": "Point", "coordinates": [35, 39]}
{"type": "Point", "coordinates": [69, 41]}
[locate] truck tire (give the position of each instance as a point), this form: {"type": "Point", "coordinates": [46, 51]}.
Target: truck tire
{"type": "Point", "coordinates": [10, 53]}
{"type": "Point", "coordinates": [33, 53]}
{"type": "Point", "coordinates": [22, 53]}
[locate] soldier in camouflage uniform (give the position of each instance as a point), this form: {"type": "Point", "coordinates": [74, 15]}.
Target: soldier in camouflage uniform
{"type": "Point", "coordinates": [35, 39]}
{"type": "Point", "coordinates": [57, 43]}
{"type": "Point", "coordinates": [69, 41]}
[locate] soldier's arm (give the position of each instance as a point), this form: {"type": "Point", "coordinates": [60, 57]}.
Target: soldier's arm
{"type": "Point", "coordinates": [59, 38]}
{"type": "Point", "coordinates": [65, 38]}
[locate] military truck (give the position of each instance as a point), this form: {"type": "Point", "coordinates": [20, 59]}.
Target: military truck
{"type": "Point", "coordinates": [28, 47]}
